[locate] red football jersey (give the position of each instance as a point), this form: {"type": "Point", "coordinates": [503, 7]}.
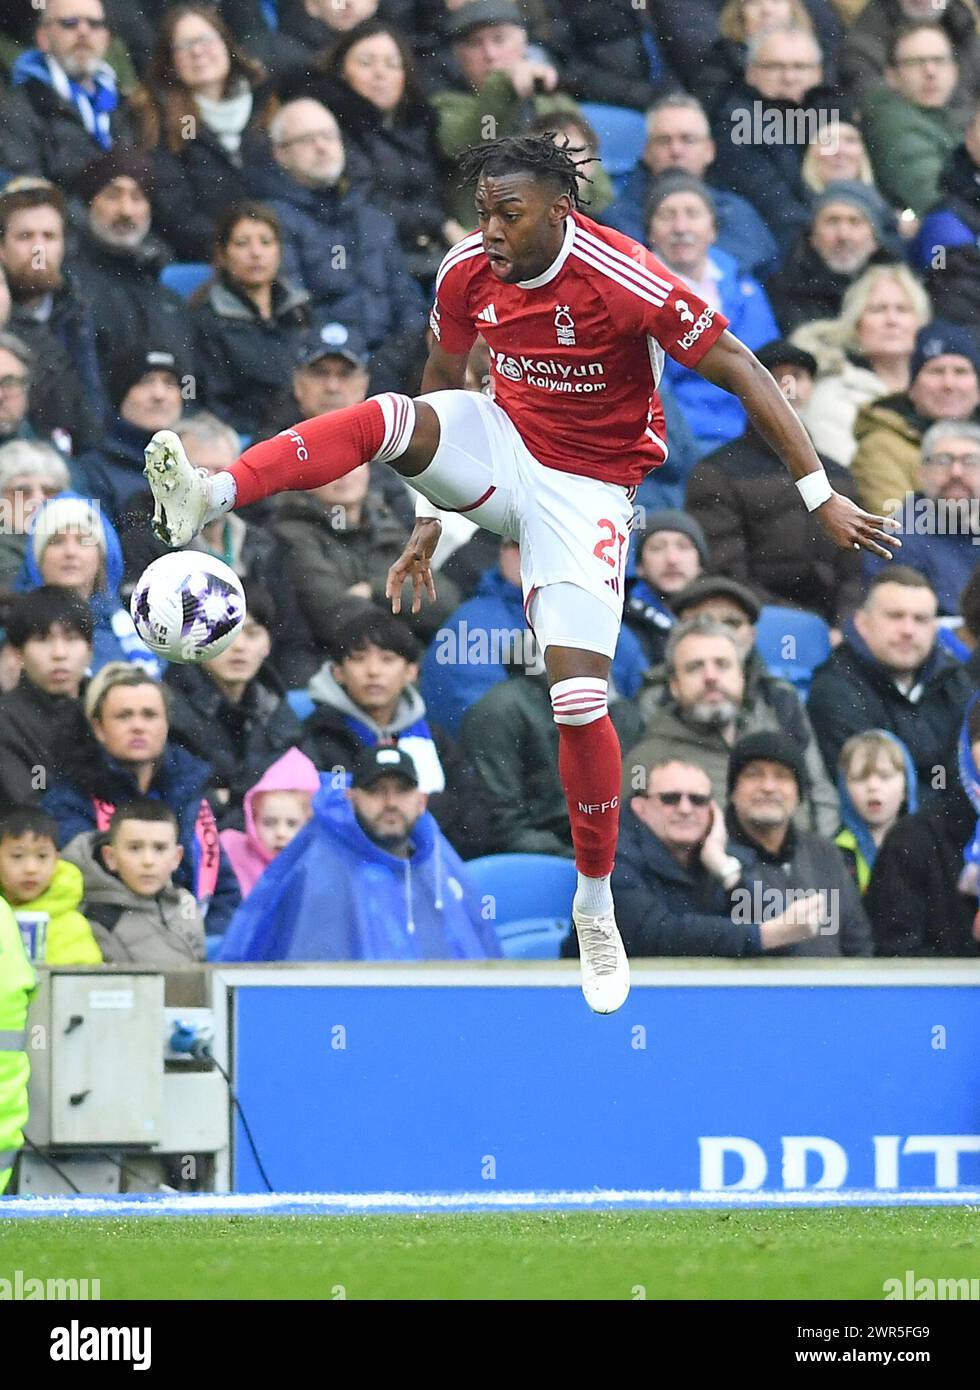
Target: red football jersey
{"type": "Point", "coordinates": [577, 352]}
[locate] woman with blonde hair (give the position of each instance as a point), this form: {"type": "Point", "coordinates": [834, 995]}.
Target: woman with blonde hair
{"type": "Point", "coordinates": [739, 21]}
{"type": "Point", "coordinates": [201, 100]}
{"type": "Point", "coordinates": [837, 153]}
{"type": "Point", "coordinates": [862, 355]}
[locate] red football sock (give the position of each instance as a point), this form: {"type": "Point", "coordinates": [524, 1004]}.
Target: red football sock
{"type": "Point", "coordinates": [590, 768]}
{"type": "Point", "coordinates": [320, 450]}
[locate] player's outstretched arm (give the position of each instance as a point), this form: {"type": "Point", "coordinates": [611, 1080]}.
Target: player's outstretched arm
{"type": "Point", "coordinates": [444, 371]}
{"type": "Point", "coordinates": [730, 364]}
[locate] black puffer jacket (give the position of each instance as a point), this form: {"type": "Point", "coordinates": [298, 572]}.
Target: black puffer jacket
{"type": "Point", "coordinates": [757, 532]}
{"type": "Point", "coordinates": [239, 741]}
{"type": "Point", "coordinates": [407, 167]}
{"type": "Point", "coordinates": [852, 692]}
{"type": "Point", "coordinates": [913, 901]}
{"type": "Point", "coordinates": [325, 557]}
{"type": "Point", "coordinates": [243, 359]}
{"type": "Point", "coordinates": [131, 309]}
{"type": "Point", "coordinates": [602, 54]}
{"type": "Point", "coordinates": [66, 388]}
{"type": "Point", "coordinates": [665, 910]}
{"type": "Point", "coordinates": [42, 134]}
{"type": "Point", "coordinates": [194, 185]}
{"type": "Point", "coordinates": [769, 176]}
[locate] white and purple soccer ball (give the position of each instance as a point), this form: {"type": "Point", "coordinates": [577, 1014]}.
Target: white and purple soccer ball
{"type": "Point", "coordinates": [188, 606]}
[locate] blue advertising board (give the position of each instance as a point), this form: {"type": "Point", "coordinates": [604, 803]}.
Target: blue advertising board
{"type": "Point", "coordinates": [697, 1084]}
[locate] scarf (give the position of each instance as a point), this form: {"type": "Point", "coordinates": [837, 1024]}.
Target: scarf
{"type": "Point", "coordinates": [94, 107]}
{"type": "Point", "coordinates": [970, 777]}
{"type": "Point", "coordinates": [227, 117]}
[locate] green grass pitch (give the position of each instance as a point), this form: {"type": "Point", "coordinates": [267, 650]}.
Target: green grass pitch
{"type": "Point", "coordinates": [785, 1254]}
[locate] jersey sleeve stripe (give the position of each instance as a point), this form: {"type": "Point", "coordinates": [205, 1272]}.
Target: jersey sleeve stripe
{"type": "Point", "coordinates": [641, 292]}
{"type": "Point", "coordinates": [469, 246]}
{"type": "Point", "coordinates": [630, 269]}
{"type": "Point", "coordinates": [624, 262]}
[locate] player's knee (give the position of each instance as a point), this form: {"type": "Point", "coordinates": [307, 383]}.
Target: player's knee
{"type": "Point", "coordinates": [579, 700]}
{"type": "Point", "coordinates": [399, 425]}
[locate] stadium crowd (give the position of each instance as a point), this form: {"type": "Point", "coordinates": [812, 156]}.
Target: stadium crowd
{"type": "Point", "coordinates": [223, 219]}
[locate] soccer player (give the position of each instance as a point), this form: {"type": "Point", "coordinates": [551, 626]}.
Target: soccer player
{"type": "Point", "coordinates": [577, 318]}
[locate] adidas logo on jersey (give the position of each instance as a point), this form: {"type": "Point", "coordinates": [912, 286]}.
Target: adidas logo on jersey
{"type": "Point", "coordinates": [488, 315]}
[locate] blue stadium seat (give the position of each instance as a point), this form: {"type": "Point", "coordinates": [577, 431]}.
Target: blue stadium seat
{"type": "Point", "coordinates": [184, 277]}
{"type": "Point", "coordinates": [533, 938]}
{"type": "Point", "coordinates": [211, 943]}
{"type": "Point", "coordinates": [300, 703]}
{"type": "Point", "coordinates": [792, 643]}
{"type": "Point", "coordinates": [622, 136]}
{"type": "Point", "coordinates": [524, 885]}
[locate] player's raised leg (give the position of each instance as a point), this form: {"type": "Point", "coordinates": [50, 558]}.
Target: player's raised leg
{"type": "Point", "coordinates": [590, 768]}
{"type": "Point", "coordinates": [391, 428]}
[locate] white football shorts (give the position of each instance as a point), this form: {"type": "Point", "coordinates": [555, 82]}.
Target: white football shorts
{"type": "Point", "coordinates": [573, 532]}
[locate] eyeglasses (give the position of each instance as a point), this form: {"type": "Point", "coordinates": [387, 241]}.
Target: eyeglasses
{"type": "Point", "coordinates": [72, 22]}
{"type": "Point", "coordinates": [948, 460]}
{"type": "Point", "coordinates": [775, 66]}
{"type": "Point", "coordinates": [201, 41]}
{"type": "Point", "coordinates": [661, 142]}
{"type": "Point", "coordinates": [310, 138]}
{"type": "Point", "coordinates": [939, 60]}
{"type": "Point", "coordinates": [13, 383]}
{"type": "Point", "coordinates": [699, 799]}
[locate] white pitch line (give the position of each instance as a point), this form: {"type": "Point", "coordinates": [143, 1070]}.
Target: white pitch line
{"type": "Point", "coordinates": [352, 1203]}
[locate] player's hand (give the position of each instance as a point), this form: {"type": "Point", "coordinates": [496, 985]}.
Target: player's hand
{"type": "Point", "coordinates": [849, 527]}
{"type": "Point", "coordinates": [414, 563]}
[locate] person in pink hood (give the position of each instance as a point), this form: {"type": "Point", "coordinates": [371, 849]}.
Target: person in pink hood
{"type": "Point", "coordinates": [276, 808]}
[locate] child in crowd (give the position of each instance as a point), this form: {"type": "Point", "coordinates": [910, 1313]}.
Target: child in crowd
{"type": "Point", "coordinates": [877, 783]}
{"type": "Point", "coordinates": [276, 809]}
{"type": "Point", "coordinates": [34, 879]}
{"type": "Point", "coordinates": [137, 913]}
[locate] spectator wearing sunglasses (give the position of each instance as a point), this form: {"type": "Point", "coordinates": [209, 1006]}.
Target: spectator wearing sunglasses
{"type": "Point", "coordinates": [678, 875]}
{"type": "Point", "coordinates": [63, 108]}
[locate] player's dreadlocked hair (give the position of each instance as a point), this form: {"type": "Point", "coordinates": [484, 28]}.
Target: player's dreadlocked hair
{"type": "Point", "coordinates": [537, 155]}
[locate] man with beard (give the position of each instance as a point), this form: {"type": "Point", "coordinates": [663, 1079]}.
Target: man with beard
{"type": "Point", "coordinates": [843, 239]}
{"type": "Point", "coordinates": [766, 780]}
{"type": "Point", "coordinates": [707, 707]}
{"type": "Point", "coordinates": [118, 263]}
{"type": "Point", "coordinates": [370, 877]}
{"type": "Point", "coordinates": [48, 313]}
{"type": "Point", "coordinates": [64, 106]}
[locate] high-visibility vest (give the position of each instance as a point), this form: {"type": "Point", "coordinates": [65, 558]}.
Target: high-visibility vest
{"type": "Point", "coordinates": [17, 984]}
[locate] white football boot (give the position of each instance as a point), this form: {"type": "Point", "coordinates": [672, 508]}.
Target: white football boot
{"type": "Point", "coordinates": [180, 493]}
{"type": "Point", "coordinates": [605, 967]}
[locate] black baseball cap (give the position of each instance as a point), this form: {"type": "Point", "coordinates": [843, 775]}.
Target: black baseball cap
{"type": "Point", "coordinates": [373, 763]}
{"type": "Point", "coordinates": [708, 586]}
{"type": "Point", "coordinates": [332, 340]}
{"type": "Point", "coordinates": [782, 353]}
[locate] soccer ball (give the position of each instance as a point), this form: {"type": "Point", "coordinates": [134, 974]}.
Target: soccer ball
{"type": "Point", "coordinates": [188, 606]}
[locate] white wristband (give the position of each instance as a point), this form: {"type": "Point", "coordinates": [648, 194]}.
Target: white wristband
{"type": "Point", "coordinates": [815, 489]}
{"type": "Point", "coordinates": [426, 509]}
